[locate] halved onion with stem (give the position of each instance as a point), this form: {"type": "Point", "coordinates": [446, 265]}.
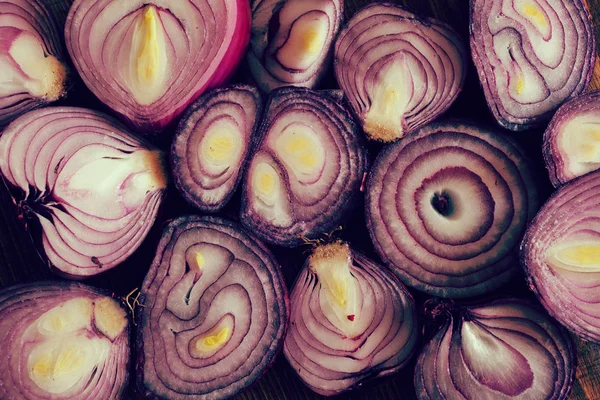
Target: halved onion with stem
{"type": "Point", "coordinates": [447, 206]}
{"type": "Point", "coordinates": [148, 60]}
{"type": "Point", "coordinates": [531, 56]}
{"type": "Point", "coordinates": [397, 70]}
{"type": "Point", "coordinates": [62, 341]}
{"type": "Point", "coordinates": [351, 321]}
{"type": "Point", "coordinates": [215, 310]}
{"type": "Point", "coordinates": [32, 69]}
{"type": "Point", "coordinates": [91, 187]}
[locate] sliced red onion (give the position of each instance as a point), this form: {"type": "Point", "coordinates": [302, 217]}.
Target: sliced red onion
{"type": "Point", "coordinates": [32, 73]}
{"type": "Point", "coordinates": [531, 56]}
{"type": "Point", "coordinates": [212, 143]}
{"type": "Point", "coordinates": [504, 349]}
{"type": "Point", "coordinates": [572, 140]}
{"type": "Point", "coordinates": [351, 321]}
{"type": "Point", "coordinates": [149, 60]}
{"type": "Point", "coordinates": [447, 206]}
{"type": "Point", "coordinates": [215, 310]}
{"type": "Point", "coordinates": [291, 41]}
{"type": "Point", "coordinates": [93, 187]}
{"type": "Point", "coordinates": [307, 173]}
{"type": "Point", "coordinates": [62, 341]}
{"type": "Point", "coordinates": [398, 71]}
{"type": "Point", "coordinates": [561, 253]}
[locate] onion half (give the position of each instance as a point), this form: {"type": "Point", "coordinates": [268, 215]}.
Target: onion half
{"type": "Point", "coordinates": [92, 187]}
{"type": "Point", "coordinates": [307, 173]}
{"type": "Point", "coordinates": [291, 41]}
{"type": "Point", "coordinates": [398, 71]}
{"type": "Point", "coordinates": [531, 56]}
{"type": "Point", "coordinates": [32, 72]}
{"type": "Point", "coordinates": [561, 253]}
{"type": "Point", "coordinates": [215, 311]}
{"type": "Point", "coordinates": [351, 321]}
{"type": "Point", "coordinates": [447, 206]}
{"type": "Point", "coordinates": [62, 340]}
{"type": "Point", "coordinates": [149, 60]}
{"type": "Point", "coordinates": [507, 348]}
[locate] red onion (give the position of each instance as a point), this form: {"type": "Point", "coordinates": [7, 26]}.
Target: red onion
{"type": "Point", "coordinates": [62, 341]}
{"type": "Point", "coordinates": [149, 60]}
{"type": "Point", "coordinates": [561, 253]}
{"type": "Point", "coordinates": [504, 349]}
{"type": "Point", "coordinates": [447, 206]}
{"type": "Point", "coordinates": [93, 188]}
{"type": "Point", "coordinates": [32, 73]}
{"type": "Point", "coordinates": [306, 175]}
{"type": "Point", "coordinates": [291, 41]}
{"type": "Point", "coordinates": [215, 310]}
{"type": "Point", "coordinates": [572, 140]}
{"type": "Point", "coordinates": [351, 321]}
{"type": "Point", "coordinates": [531, 56]}
{"type": "Point", "coordinates": [398, 71]}
{"type": "Point", "coordinates": [212, 143]}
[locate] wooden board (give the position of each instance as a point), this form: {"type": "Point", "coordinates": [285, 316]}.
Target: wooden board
{"type": "Point", "coordinates": [20, 263]}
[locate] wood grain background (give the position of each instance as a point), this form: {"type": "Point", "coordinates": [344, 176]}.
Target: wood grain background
{"type": "Point", "coordinates": [19, 262]}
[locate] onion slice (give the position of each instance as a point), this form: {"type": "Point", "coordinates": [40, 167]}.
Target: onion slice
{"type": "Point", "coordinates": [561, 253]}
{"type": "Point", "coordinates": [447, 206]}
{"type": "Point", "coordinates": [215, 312]}
{"type": "Point", "coordinates": [92, 187]}
{"type": "Point", "coordinates": [531, 56]}
{"type": "Point", "coordinates": [351, 321]}
{"type": "Point", "coordinates": [32, 70]}
{"type": "Point", "coordinates": [149, 60]}
{"type": "Point", "coordinates": [306, 175]}
{"type": "Point", "coordinates": [291, 41]}
{"type": "Point", "coordinates": [398, 71]}
{"type": "Point", "coordinates": [62, 340]}
{"type": "Point", "coordinates": [507, 348]}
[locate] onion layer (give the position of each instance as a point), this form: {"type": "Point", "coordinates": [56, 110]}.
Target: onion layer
{"type": "Point", "coordinates": [351, 321]}
{"type": "Point", "coordinates": [504, 349]}
{"type": "Point", "coordinates": [215, 312]}
{"type": "Point", "coordinates": [397, 70]}
{"type": "Point", "coordinates": [32, 72]}
{"type": "Point", "coordinates": [447, 206]}
{"type": "Point", "coordinates": [93, 187]}
{"type": "Point", "coordinates": [531, 56]}
{"type": "Point", "coordinates": [149, 60]}
{"type": "Point", "coordinates": [62, 340]}
{"type": "Point", "coordinates": [561, 253]}
{"type": "Point", "coordinates": [291, 41]}
{"type": "Point", "coordinates": [307, 173]}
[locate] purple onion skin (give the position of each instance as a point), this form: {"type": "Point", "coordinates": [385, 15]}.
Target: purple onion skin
{"type": "Point", "coordinates": [83, 319]}
{"type": "Point", "coordinates": [328, 138]}
{"type": "Point", "coordinates": [247, 290]}
{"type": "Point", "coordinates": [567, 288]}
{"type": "Point", "coordinates": [209, 191]}
{"type": "Point", "coordinates": [532, 78]}
{"type": "Point", "coordinates": [29, 25]}
{"type": "Point", "coordinates": [318, 346]}
{"type": "Point", "coordinates": [275, 59]}
{"type": "Point", "coordinates": [447, 206]}
{"type": "Point", "coordinates": [506, 348]}
{"type": "Point", "coordinates": [397, 70]}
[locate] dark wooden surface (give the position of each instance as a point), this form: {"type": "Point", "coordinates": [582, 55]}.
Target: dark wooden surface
{"type": "Point", "coordinates": [19, 262]}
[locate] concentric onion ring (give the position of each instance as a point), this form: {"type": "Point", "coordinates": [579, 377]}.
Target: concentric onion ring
{"type": "Point", "coordinates": [531, 56]}
{"type": "Point", "coordinates": [215, 312]}
{"type": "Point", "coordinates": [446, 208]}
{"type": "Point", "coordinates": [93, 187]}
{"type": "Point", "coordinates": [351, 321]}
{"type": "Point", "coordinates": [398, 71]}
{"type": "Point", "coordinates": [62, 340]}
